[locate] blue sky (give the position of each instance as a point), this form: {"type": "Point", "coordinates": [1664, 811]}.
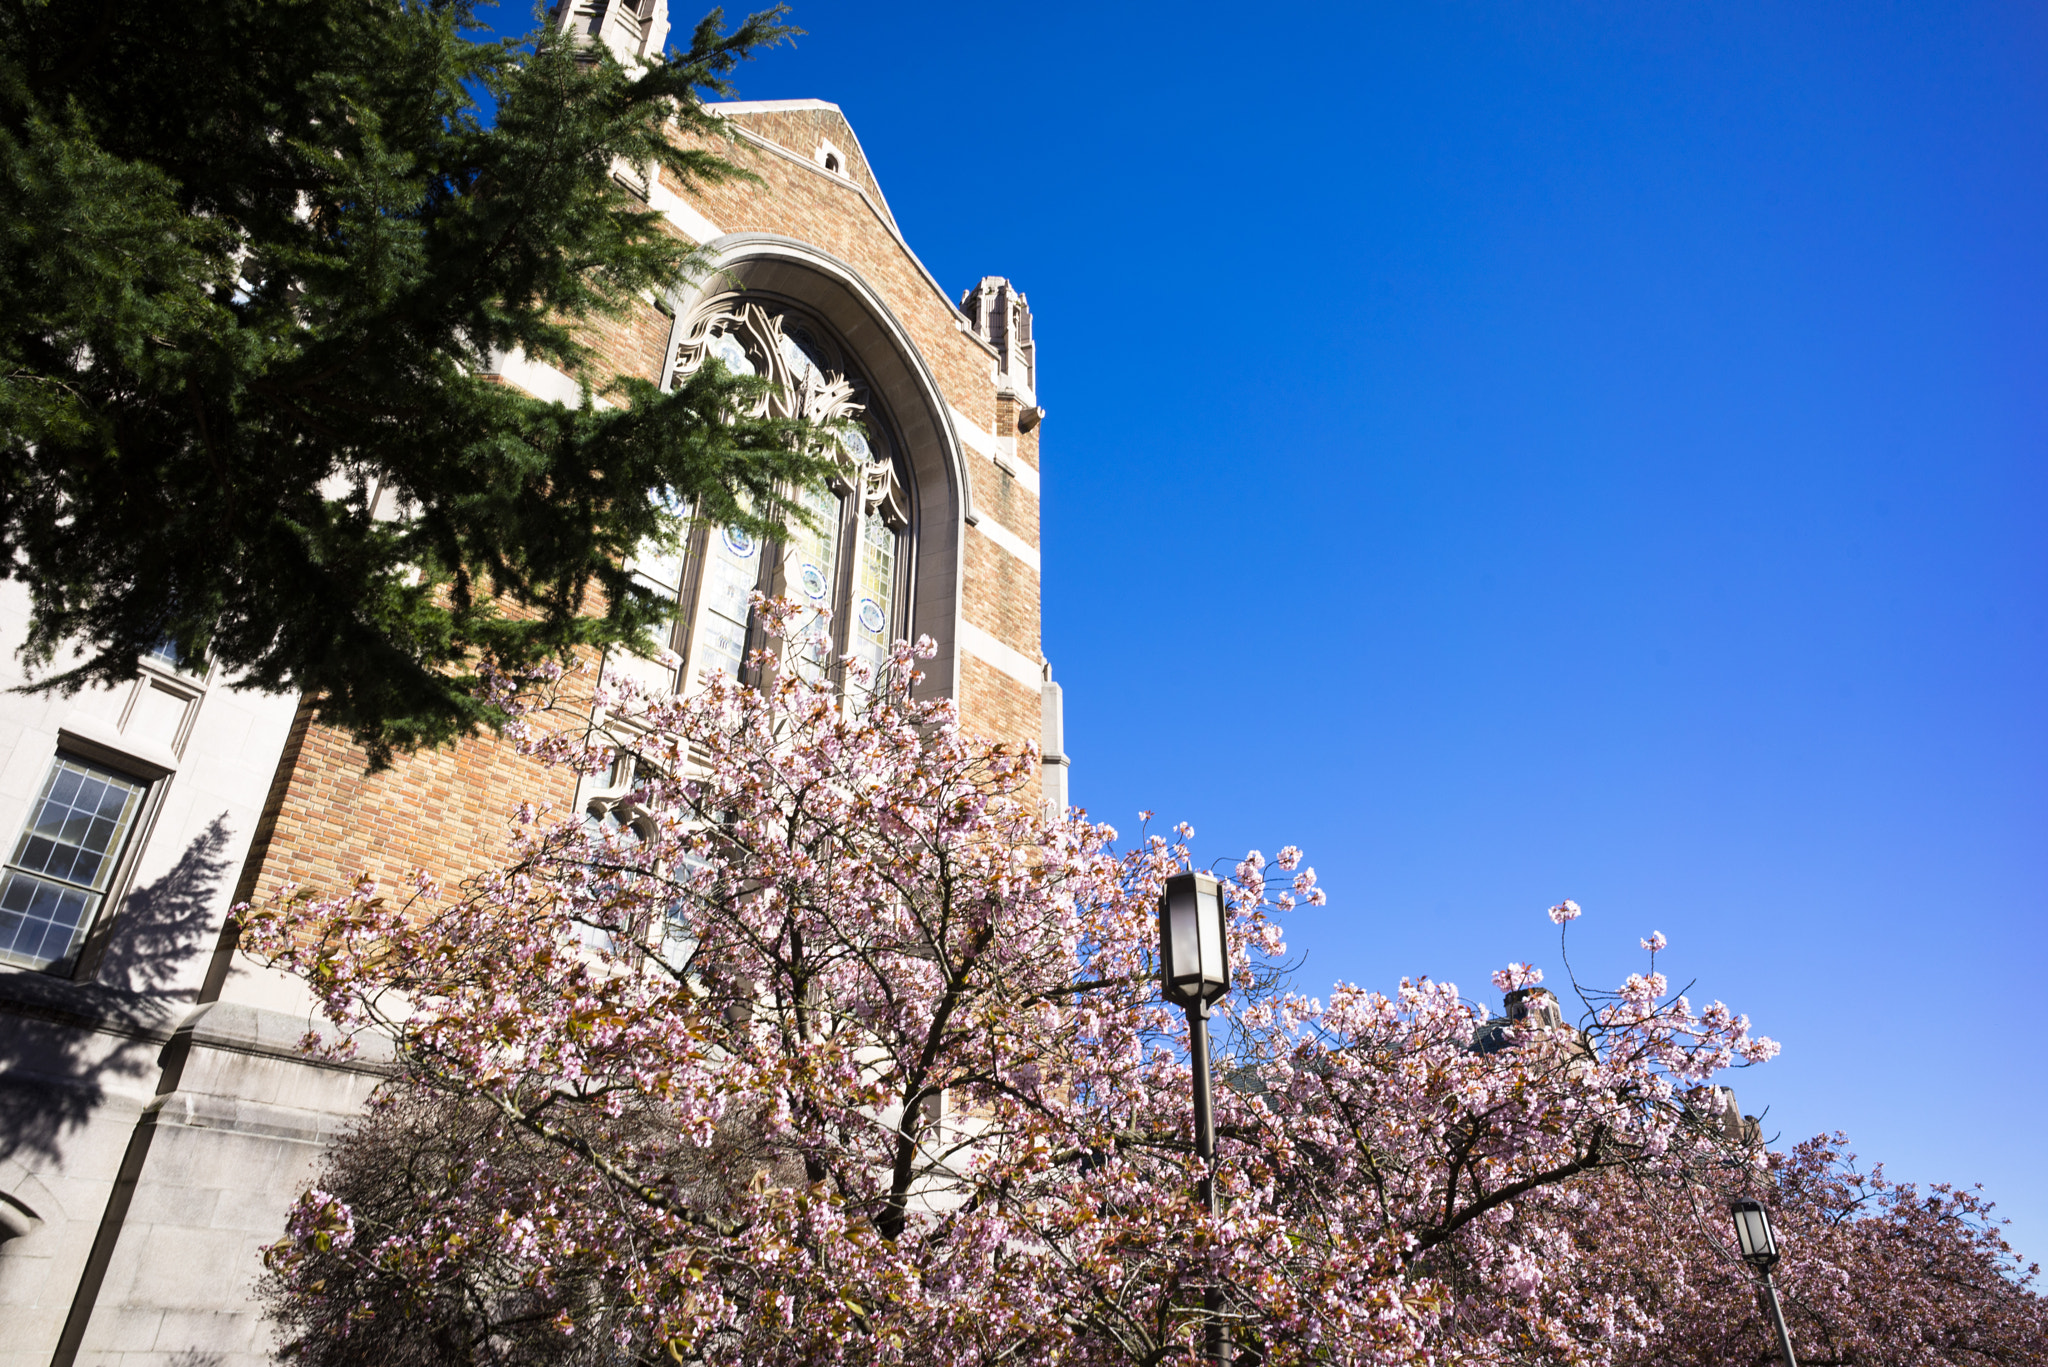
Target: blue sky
{"type": "Point", "coordinates": [1526, 451]}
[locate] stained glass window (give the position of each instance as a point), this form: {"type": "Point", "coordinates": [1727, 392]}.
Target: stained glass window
{"type": "Point", "coordinates": [874, 594]}
{"type": "Point", "coordinates": [732, 568]}
{"type": "Point", "coordinates": [658, 566]}
{"type": "Point", "coordinates": [811, 573]}
{"type": "Point", "coordinates": [798, 358]}
{"type": "Point", "coordinates": [727, 349]}
{"type": "Point", "coordinates": [58, 874]}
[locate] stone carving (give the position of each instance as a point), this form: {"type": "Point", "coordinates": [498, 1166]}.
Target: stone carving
{"type": "Point", "coordinates": [802, 384]}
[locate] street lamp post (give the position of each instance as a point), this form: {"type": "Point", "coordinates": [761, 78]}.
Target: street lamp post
{"type": "Point", "coordinates": [1194, 973]}
{"type": "Point", "coordinates": [1760, 1250]}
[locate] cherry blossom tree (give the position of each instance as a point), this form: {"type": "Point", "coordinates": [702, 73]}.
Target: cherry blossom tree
{"type": "Point", "coordinates": [1873, 1273]}
{"type": "Point", "coordinates": [827, 1045]}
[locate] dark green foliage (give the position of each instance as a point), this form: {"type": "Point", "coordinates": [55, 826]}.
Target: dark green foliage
{"type": "Point", "coordinates": [253, 257]}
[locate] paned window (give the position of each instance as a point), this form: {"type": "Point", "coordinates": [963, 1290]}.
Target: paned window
{"type": "Point", "coordinates": [58, 874]}
{"type": "Point", "coordinates": [610, 817]}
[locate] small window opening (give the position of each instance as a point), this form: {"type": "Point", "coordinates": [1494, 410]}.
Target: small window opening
{"type": "Point", "coordinates": [831, 161]}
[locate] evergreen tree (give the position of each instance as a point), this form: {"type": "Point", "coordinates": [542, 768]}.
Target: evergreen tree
{"type": "Point", "coordinates": [254, 258]}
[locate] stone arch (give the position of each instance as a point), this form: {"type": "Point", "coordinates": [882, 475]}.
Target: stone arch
{"type": "Point", "coordinates": [766, 264]}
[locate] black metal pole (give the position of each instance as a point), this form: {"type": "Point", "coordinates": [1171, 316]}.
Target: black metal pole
{"type": "Point", "coordinates": [1205, 1150]}
{"type": "Point", "coordinates": [1778, 1320]}
{"type": "Point", "coordinates": [1198, 1054]}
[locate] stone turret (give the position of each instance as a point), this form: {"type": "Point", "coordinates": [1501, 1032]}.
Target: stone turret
{"type": "Point", "coordinates": [633, 29]}
{"type": "Point", "coordinates": [1533, 1014]}
{"type": "Point", "coordinates": [1716, 1109]}
{"type": "Point", "coordinates": [1002, 317]}
{"type": "Point", "coordinates": [1533, 1006]}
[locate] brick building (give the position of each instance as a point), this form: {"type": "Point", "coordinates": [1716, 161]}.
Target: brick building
{"type": "Point", "coordinates": [155, 1116]}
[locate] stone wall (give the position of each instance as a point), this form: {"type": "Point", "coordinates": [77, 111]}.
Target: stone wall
{"type": "Point", "coordinates": [139, 1169]}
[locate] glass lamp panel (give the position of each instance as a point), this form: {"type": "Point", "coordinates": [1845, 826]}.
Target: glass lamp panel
{"type": "Point", "coordinates": [1182, 940]}
{"type": "Point", "coordinates": [874, 594]}
{"type": "Point", "coordinates": [1209, 898]}
{"type": "Point", "coordinates": [1753, 1231]}
{"type": "Point", "coordinates": [810, 572]}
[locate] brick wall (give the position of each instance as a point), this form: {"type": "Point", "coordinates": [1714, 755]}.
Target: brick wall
{"type": "Point", "coordinates": [798, 199]}
{"type": "Point", "coordinates": [1007, 409]}
{"type": "Point", "coordinates": [446, 811]}
{"type": "Point", "coordinates": [801, 130]}
{"type": "Point", "coordinates": [328, 821]}
{"type": "Point", "coordinates": [1002, 599]}
{"type": "Point", "coordinates": [998, 494]}
{"type": "Point", "coordinates": [1007, 707]}
{"type": "Point", "coordinates": [634, 344]}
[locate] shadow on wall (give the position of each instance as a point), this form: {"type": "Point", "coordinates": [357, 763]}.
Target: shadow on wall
{"type": "Point", "coordinates": [163, 925]}
{"type": "Point", "coordinates": [65, 1045]}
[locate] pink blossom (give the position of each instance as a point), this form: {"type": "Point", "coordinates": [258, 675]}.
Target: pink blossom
{"type": "Point", "coordinates": [1564, 911]}
{"type": "Point", "coordinates": [1517, 975]}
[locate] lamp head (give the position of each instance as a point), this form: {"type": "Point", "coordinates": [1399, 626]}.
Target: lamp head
{"type": "Point", "coordinates": [1753, 1233]}
{"type": "Point", "coordinates": [1194, 957]}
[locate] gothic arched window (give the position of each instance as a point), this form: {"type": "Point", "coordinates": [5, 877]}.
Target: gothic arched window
{"type": "Point", "coordinates": [847, 574]}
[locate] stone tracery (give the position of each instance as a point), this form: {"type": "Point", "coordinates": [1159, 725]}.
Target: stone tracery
{"type": "Point", "coordinates": [803, 384]}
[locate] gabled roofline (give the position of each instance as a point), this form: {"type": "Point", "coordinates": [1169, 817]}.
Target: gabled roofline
{"type": "Point", "coordinates": [790, 106]}
{"type": "Point", "coordinates": [877, 206]}
{"type": "Point", "coordinates": [772, 106]}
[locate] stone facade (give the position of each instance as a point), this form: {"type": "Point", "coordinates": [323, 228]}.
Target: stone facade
{"type": "Point", "coordinates": [149, 1123]}
{"type": "Point", "coordinates": [155, 1115]}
